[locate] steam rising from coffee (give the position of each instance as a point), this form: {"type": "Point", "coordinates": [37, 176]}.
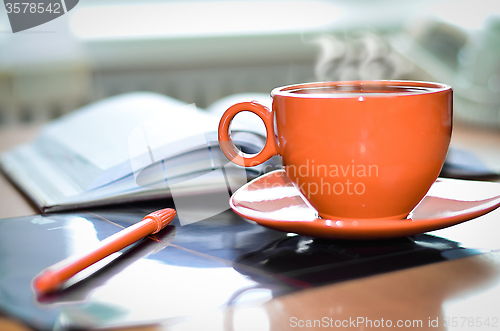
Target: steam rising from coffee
{"type": "Point", "coordinates": [361, 56]}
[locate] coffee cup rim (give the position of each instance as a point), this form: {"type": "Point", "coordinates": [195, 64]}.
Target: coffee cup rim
{"type": "Point", "coordinates": [288, 90]}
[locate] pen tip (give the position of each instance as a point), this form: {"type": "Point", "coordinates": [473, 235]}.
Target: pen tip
{"type": "Point", "coordinates": [46, 282]}
{"type": "Point", "coordinates": [162, 217]}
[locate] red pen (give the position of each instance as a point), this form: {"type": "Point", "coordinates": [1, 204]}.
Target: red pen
{"type": "Point", "coordinates": [54, 276]}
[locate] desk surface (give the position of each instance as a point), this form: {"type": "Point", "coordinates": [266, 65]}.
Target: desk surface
{"type": "Point", "coordinates": [462, 292]}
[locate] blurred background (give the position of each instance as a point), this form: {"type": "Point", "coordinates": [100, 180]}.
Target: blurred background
{"type": "Point", "coordinates": [200, 51]}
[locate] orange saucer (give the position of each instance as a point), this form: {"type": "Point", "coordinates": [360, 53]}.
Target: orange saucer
{"type": "Point", "coordinates": [274, 202]}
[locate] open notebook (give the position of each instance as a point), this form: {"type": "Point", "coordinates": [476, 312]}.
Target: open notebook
{"type": "Point", "coordinates": [142, 146]}
{"type": "Point", "coordinates": [133, 147]}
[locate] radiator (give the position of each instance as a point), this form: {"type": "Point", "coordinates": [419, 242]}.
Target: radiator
{"type": "Point", "coordinates": [42, 93]}
{"type": "Point", "coordinates": [40, 96]}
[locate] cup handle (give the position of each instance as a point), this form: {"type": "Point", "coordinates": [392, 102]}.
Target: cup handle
{"type": "Point", "coordinates": [227, 145]}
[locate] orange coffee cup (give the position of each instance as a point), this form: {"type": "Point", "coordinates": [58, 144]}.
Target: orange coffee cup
{"type": "Point", "coordinates": [356, 150]}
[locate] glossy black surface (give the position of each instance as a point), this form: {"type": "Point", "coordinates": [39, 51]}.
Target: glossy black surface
{"type": "Point", "coordinates": [183, 270]}
{"type": "Point", "coordinates": [461, 164]}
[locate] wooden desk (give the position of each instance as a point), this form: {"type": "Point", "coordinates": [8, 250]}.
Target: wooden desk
{"type": "Point", "coordinates": [12, 202]}
{"type": "Point", "coordinates": [467, 289]}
